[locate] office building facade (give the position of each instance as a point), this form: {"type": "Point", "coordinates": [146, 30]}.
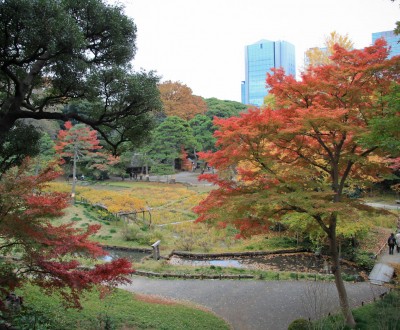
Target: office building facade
{"type": "Point", "coordinates": [391, 39]}
{"type": "Point", "coordinates": [260, 58]}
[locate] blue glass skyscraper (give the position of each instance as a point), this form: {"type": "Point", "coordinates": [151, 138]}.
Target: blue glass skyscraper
{"type": "Point", "coordinates": [391, 39]}
{"type": "Point", "coordinates": [260, 58]}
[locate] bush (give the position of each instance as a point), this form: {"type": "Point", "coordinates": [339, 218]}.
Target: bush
{"type": "Point", "coordinates": [365, 260]}
{"type": "Point", "coordinates": [284, 242]}
{"type": "Point", "coordinates": [186, 243]}
{"type": "Point", "coordinates": [141, 235]}
{"type": "Point", "coordinates": [132, 232]}
{"type": "Point", "coordinates": [300, 324]}
{"type": "Point", "coordinates": [205, 244]}
{"type": "Point", "coordinates": [29, 318]}
{"type": "Point", "coordinates": [154, 235]}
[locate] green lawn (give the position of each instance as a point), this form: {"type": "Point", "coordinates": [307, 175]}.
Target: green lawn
{"type": "Point", "coordinates": [120, 310]}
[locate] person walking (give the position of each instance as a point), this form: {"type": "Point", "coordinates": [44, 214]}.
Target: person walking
{"type": "Point", "coordinates": [391, 242]}
{"type": "Point", "coordinates": [398, 241]}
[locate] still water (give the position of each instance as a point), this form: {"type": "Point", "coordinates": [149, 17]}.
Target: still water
{"type": "Point", "coordinates": [133, 256]}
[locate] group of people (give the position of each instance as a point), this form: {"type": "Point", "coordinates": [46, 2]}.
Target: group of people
{"type": "Point", "coordinates": [394, 240]}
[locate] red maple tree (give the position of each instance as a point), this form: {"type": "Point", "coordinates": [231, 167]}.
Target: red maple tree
{"type": "Point", "coordinates": [79, 143]}
{"type": "Point", "coordinates": [35, 250]}
{"type": "Point", "coordinates": [297, 160]}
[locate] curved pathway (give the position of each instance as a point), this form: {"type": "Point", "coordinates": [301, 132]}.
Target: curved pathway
{"type": "Point", "coordinates": [253, 305]}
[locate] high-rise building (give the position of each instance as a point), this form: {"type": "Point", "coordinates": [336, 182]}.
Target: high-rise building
{"type": "Point", "coordinates": [260, 58]}
{"type": "Point", "coordinates": [391, 39]}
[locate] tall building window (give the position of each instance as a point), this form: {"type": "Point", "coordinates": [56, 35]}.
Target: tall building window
{"type": "Point", "coordinates": [260, 58]}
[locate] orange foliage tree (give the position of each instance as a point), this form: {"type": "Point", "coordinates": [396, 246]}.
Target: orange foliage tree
{"type": "Point", "coordinates": [178, 100]}
{"type": "Point", "coordinates": [297, 160]}
{"type": "Point", "coordinates": [79, 143]}
{"type": "Point", "coordinates": [47, 253]}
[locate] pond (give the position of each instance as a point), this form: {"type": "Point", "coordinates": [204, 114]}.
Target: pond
{"type": "Point", "coordinates": [131, 255]}
{"type": "Point", "coordinates": [291, 262]}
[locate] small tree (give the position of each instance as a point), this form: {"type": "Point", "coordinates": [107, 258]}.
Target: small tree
{"type": "Point", "coordinates": [75, 143]}
{"type": "Point", "coordinates": [47, 253]}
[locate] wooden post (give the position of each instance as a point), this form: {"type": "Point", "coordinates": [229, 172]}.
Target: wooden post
{"type": "Point", "coordinates": [156, 250]}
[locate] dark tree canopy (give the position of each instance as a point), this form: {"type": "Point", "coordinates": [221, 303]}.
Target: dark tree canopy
{"type": "Point", "coordinates": [203, 130]}
{"type": "Point", "coordinates": [223, 108]}
{"type": "Point", "coordinates": [55, 52]}
{"type": "Point", "coordinates": [21, 142]}
{"type": "Point", "coordinates": [169, 138]}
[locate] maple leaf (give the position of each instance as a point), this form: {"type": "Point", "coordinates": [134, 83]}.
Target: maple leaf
{"type": "Point", "coordinates": [47, 253]}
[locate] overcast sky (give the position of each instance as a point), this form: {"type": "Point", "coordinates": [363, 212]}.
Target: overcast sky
{"type": "Point", "coordinates": [201, 43]}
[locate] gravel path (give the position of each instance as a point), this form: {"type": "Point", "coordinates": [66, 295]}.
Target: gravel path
{"type": "Point", "coordinates": [253, 305]}
{"type": "Point", "coordinates": [387, 206]}
{"type": "Point", "coordinates": [187, 177]}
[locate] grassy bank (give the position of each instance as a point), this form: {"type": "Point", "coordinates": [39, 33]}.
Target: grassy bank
{"type": "Point", "coordinates": [169, 212]}
{"type": "Point", "coordinates": [381, 315]}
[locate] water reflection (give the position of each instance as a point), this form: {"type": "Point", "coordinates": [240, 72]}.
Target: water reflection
{"type": "Point", "coordinates": [133, 256]}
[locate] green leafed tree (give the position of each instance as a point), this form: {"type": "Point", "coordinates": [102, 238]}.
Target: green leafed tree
{"type": "Point", "coordinates": [46, 153]}
{"type": "Point", "coordinates": [121, 164]}
{"type": "Point", "coordinates": [203, 131]}
{"type": "Point", "coordinates": [203, 128]}
{"type": "Point", "coordinates": [56, 52]}
{"type": "Point", "coordinates": [385, 129]}
{"type": "Point", "coordinates": [20, 142]}
{"type": "Point", "coordinates": [169, 138]}
{"type": "Point", "coordinates": [223, 108]}
{"type": "Point", "coordinates": [385, 133]}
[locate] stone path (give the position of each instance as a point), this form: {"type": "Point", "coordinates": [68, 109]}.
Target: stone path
{"type": "Point", "coordinates": [258, 305]}
{"type": "Point", "coordinates": [383, 270]}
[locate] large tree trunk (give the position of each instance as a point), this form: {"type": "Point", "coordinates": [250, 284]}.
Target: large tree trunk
{"type": "Point", "coordinates": [336, 270]}
{"type": "Point", "coordinates": [7, 121]}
